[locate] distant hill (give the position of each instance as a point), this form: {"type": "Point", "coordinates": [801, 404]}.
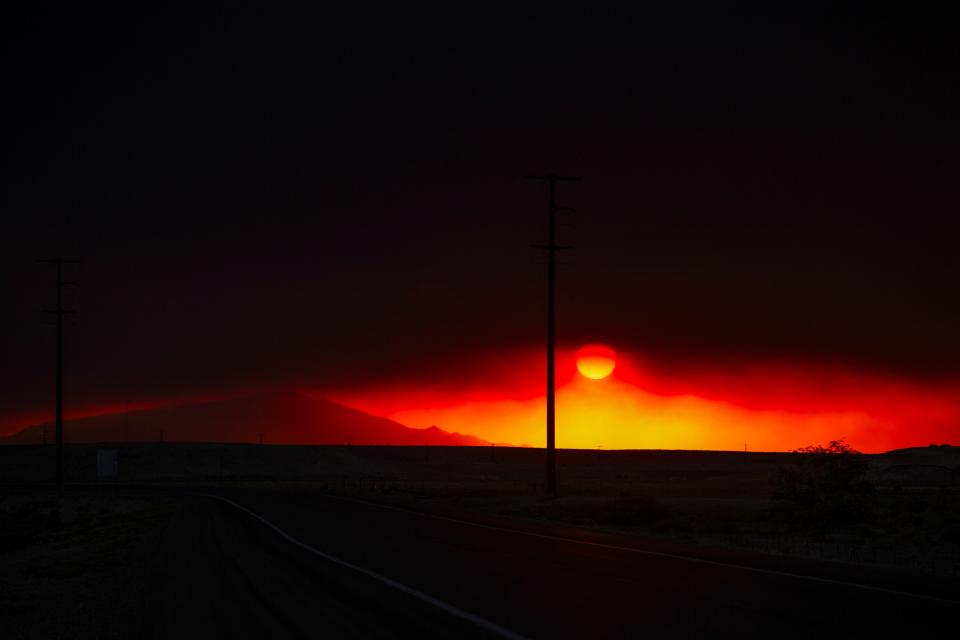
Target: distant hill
{"type": "Point", "coordinates": [932, 455]}
{"type": "Point", "coordinates": [282, 418]}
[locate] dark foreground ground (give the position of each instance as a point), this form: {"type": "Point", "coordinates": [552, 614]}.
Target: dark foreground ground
{"type": "Point", "coordinates": [708, 498]}
{"type": "Point", "coordinates": [456, 543]}
{"type": "Point", "coordinates": [297, 563]}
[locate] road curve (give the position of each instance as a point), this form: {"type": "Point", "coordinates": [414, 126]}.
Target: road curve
{"type": "Point", "coordinates": [262, 563]}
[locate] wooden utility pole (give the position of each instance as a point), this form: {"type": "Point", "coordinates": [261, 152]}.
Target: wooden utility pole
{"type": "Point", "coordinates": [552, 247]}
{"type": "Point", "coordinates": [59, 311]}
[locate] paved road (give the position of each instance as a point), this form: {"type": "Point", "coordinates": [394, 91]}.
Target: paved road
{"type": "Point", "coordinates": [221, 571]}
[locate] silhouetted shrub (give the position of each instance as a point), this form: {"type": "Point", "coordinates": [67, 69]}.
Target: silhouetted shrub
{"type": "Point", "coordinates": [838, 447]}
{"type": "Point", "coordinates": [828, 488]}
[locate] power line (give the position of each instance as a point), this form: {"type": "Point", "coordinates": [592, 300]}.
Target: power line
{"type": "Point", "coordinates": [552, 247]}
{"type": "Point", "coordinates": [59, 311]}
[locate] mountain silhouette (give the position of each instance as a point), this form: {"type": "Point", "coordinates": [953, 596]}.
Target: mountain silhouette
{"type": "Point", "coordinates": [285, 417]}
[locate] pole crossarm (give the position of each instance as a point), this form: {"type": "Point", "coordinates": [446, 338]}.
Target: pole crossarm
{"type": "Point", "coordinates": [554, 247]}
{"type": "Point", "coordinates": [552, 177]}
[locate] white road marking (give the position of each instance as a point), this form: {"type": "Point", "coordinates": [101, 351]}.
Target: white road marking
{"type": "Point", "coordinates": [482, 623]}
{"type": "Point", "coordinates": [659, 554]}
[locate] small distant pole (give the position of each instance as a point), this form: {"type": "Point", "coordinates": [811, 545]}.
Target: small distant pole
{"type": "Point", "coordinates": [552, 247]}
{"type": "Point", "coordinates": [59, 311]}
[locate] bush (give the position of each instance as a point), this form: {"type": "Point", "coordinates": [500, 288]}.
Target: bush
{"type": "Point", "coordinates": [828, 488]}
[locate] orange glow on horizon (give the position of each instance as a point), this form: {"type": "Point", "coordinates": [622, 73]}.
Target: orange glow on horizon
{"type": "Point", "coordinates": [772, 407]}
{"type": "Point", "coordinates": [596, 361]}
{"type": "Point", "coordinates": [619, 415]}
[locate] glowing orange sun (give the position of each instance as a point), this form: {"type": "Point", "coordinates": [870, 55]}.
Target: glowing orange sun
{"type": "Point", "coordinates": [596, 361]}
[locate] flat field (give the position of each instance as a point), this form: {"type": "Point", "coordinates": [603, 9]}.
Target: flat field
{"type": "Point", "coordinates": [911, 521]}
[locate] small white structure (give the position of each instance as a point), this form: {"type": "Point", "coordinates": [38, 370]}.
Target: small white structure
{"type": "Point", "coordinates": [106, 464]}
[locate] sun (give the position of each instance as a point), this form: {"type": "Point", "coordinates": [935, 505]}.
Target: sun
{"type": "Point", "coordinates": [596, 361]}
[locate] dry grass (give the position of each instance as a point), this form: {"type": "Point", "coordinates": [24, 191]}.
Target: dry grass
{"type": "Point", "coordinates": [64, 559]}
{"type": "Point", "coordinates": [711, 498]}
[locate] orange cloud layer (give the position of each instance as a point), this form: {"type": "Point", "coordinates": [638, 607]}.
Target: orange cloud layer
{"type": "Point", "coordinates": [769, 407]}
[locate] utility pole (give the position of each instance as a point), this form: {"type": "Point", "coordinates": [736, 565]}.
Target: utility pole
{"type": "Point", "coordinates": [552, 247]}
{"type": "Point", "coordinates": [59, 311]}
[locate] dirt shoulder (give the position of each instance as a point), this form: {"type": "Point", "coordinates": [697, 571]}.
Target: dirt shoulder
{"type": "Point", "coordinates": [67, 560]}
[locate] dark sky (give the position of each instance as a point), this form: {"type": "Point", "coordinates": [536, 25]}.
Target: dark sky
{"type": "Point", "coordinates": [264, 195]}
